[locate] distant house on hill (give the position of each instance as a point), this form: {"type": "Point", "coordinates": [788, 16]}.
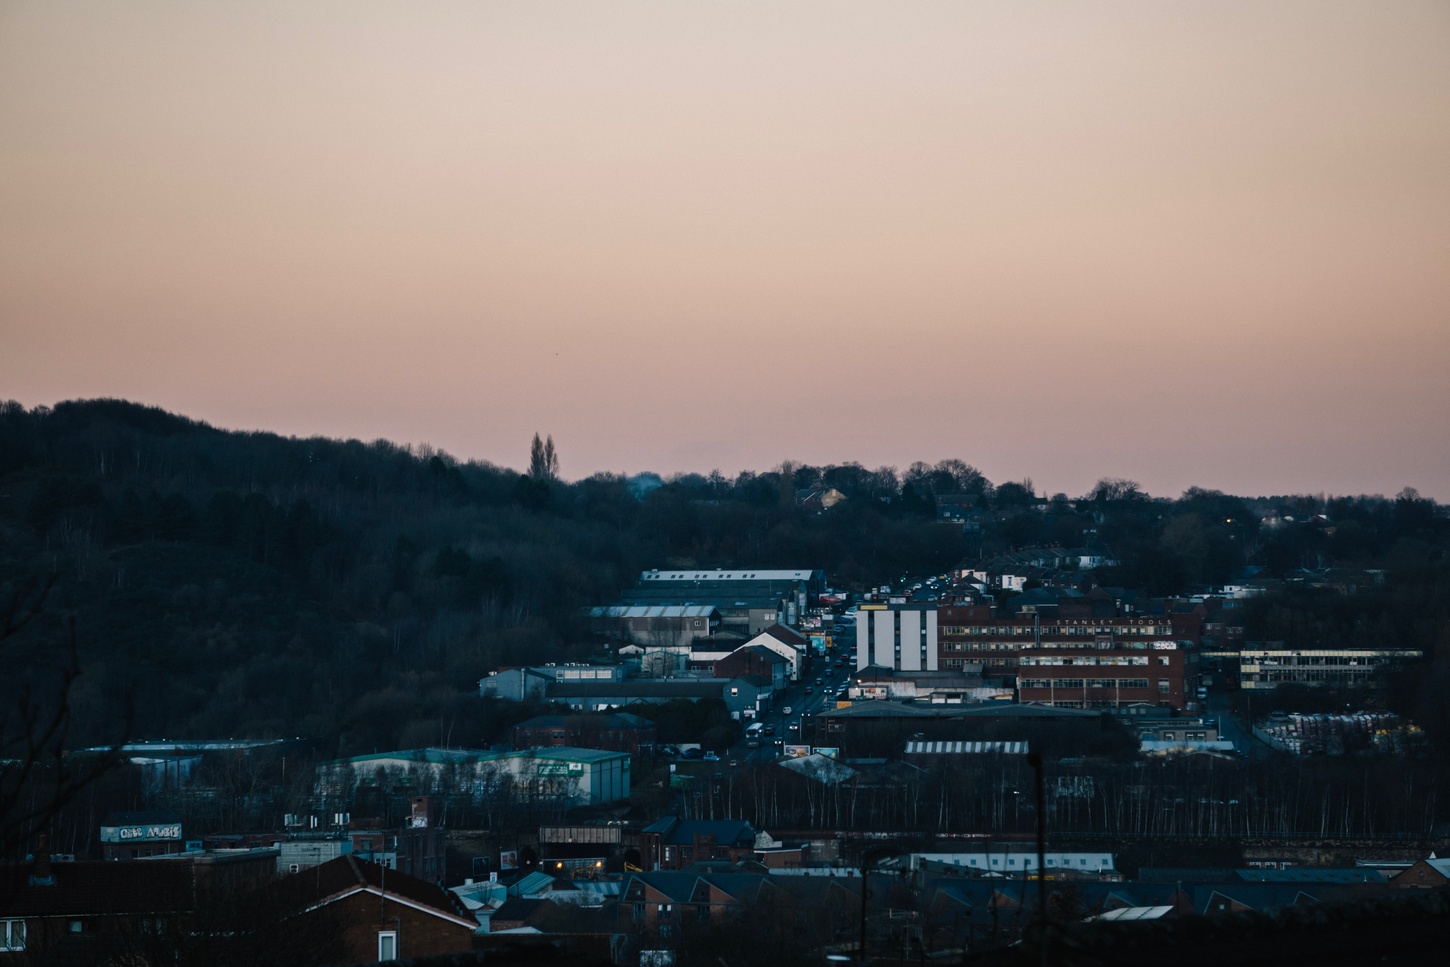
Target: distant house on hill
{"type": "Point", "coordinates": [818, 499]}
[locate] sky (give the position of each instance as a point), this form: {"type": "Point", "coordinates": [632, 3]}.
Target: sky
{"type": "Point", "coordinates": [1189, 244]}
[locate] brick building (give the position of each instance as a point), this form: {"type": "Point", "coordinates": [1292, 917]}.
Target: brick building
{"type": "Point", "coordinates": [132, 911]}
{"type": "Point", "coordinates": [673, 843]}
{"type": "Point", "coordinates": [754, 660]}
{"type": "Point", "coordinates": [616, 732]}
{"type": "Point", "coordinates": [419, 848]}
{"type": "Point", "coordinates": [380, 914]}
{"type": "Point", "coordinates": [1137, 661]}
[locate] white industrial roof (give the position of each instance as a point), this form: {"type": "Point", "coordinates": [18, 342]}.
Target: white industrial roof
{"type": "Point", "coordinates": [745, 575]}
{"type": "Point", "coordinates": [1134, 913]}
{"type": "Point", "coordinates": [966, 748]}
{"type": "Point", "coordinates": [654, 611]}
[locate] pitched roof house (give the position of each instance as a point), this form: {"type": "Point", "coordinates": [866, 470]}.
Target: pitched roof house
{"type": "Point", "coordinates": [382, 914]}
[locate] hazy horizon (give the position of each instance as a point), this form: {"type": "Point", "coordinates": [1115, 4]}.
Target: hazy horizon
{"type": "Point", "coordinates": [1205, 244]}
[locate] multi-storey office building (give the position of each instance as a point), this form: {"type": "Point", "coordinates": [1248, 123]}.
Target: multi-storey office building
{"type": "Point", "coordinates": [1100, 675]}
{"type": "Point", "coordinates": [1265, 665]}
{"type": "Point", "coordinates": [1140, 661]}
{"type": "Point", "coordinates": [901, 636]}
{"type": "Point", "coordinates": [979, 633]}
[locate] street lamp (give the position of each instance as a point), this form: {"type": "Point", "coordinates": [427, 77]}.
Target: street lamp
{"type": "Point", "coordinates": [868, 860]}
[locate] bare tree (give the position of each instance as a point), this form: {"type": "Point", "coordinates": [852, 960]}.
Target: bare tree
{"type": "Point", "coordinates": [37, 778]}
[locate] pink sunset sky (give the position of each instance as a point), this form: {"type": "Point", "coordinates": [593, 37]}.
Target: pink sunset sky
{"type": "Point", "coordinates": [1185, 243]}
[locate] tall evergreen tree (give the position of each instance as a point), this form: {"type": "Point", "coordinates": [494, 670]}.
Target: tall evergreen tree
{"type": "Point", "coordinates": [543, 461]}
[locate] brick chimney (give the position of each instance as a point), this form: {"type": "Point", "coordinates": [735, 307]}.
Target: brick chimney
{"type": "Point", "coordinates": [41, 876]}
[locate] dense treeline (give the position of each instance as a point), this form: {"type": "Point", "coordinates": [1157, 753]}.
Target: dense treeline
{"type": "Point", "coordinates": [227, 583]}
{"type": "Point", "coordinates": [1124, 798]}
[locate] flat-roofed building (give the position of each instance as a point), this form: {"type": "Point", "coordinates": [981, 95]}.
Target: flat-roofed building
{"type": "Point", "coordinates": [571, 775]}
{"type": "Point", "coordinates": [1266, 665]}
{"type": "Point", "coordinates": [672, 626]}
{"type": "Point", "coordinates": [902, 636]}
{"type": "Point", "coordinates": [797, 587]}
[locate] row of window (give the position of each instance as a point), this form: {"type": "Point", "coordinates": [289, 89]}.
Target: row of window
{"type": "Point", "coordinates": [1045, 630]}
{"type": "Point", "coordinates": [1099, 645]}
{"type": "Point", "coordinates": [1346, 675]}
{"type": "Point", "coordinates": [1096, 703]}
{"type": "Point", "coordinates": [1332, 660]}
{"type": "Point", "coordinates": [1084, 683]}
{"type": "Point", "coordinates": [666, 911]}
{"type": "Point", "coordinates": [1117, 660]}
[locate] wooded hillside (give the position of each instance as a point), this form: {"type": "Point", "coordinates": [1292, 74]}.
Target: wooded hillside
{"type": "Point", "coordinates": [247, 584]}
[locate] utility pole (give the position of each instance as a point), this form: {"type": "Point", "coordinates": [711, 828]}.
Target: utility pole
{"type": "Point", "coordinates": [1034, 759]}
{"type": "Point", "coordinates": [868, 860]}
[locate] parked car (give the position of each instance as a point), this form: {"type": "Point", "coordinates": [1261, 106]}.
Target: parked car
{"type": "Point", "coordinates": [669, 751]}
{"type": "Point", "coordinates": [711, 757]}
{"type": "Point", "coordinates": [692, 754]}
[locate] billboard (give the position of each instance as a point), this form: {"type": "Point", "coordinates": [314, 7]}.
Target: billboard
{"type": "Point", "coordinates": [797, 751]}
{"type": "Point", "coordinates": [829, 752]}
{"type": "Point", "coordinates": [146, 833]}
{"type": "Point", "coordinates": [508, 860]}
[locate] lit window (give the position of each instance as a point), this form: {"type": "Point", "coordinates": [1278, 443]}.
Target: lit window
{"type": "Point", "coordinates": [12, 934]}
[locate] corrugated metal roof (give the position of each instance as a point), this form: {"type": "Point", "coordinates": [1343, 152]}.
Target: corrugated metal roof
{"type": "Point", "coordinates": [966, 748]}
{"type": "Point", "coordinates": [1135, 913]}
{"type": "Point", "coordinates": [565, 753]}
{"type": "Point", "coordinates": [693, 574]}
{"type": "Point", "coordinates": [653, 611]}
{"type": "Point", "coordinates": [531, 883]}
{"type": "Point", "coordinates": [1312, 875]}
{"type": "Point", "coordinates": [1170, 745]}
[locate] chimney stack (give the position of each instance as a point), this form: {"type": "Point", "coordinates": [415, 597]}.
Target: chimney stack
{"type": "Point", "coordinates": [41, 876]}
